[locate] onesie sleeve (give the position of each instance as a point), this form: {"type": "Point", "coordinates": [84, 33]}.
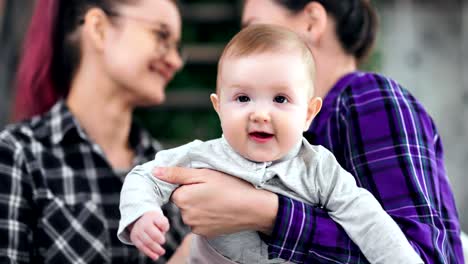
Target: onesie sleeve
{"type": "Point", "coordinates": [142, 192]}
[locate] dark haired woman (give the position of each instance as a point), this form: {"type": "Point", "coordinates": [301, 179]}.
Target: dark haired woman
{"type": "Point", "coordinates": [377, 131]}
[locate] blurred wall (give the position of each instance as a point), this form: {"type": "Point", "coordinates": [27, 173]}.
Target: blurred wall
{"type": "Point", "coordinates": [14, 19]}
{"type": "Point", "coordinates": [424, 46]}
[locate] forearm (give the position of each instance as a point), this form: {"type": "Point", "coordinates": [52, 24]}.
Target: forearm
{"type": "Point", "coordinates": [182, 253]}
{"type": "Point", "coordinates": [262, 211]}
{"type": "Point", "coordinates": [377, 235]}
{"type": "Point", "coordinates": [362, 217]}
{"type": "Point", "coordinates": [140, 194]}
{"type": "Point", "coordinates": [306, 234]}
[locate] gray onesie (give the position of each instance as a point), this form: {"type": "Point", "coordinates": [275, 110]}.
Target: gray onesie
{"type": "Point", "coordinates": [307, 173]}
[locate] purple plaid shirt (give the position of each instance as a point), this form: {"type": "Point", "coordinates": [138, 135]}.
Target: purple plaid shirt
{"type": "Point", "coordinates": [381, 134]}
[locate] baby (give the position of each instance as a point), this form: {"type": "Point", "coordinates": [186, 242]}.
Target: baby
{"type": "Point", "coordinates": [265, 100]}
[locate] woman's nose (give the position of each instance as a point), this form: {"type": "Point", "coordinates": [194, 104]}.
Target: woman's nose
{"type": "Point", "coordinates": [175, 59]}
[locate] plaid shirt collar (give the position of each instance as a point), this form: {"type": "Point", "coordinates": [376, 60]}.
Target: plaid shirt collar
{"type": "Point", "coordinates": [62, 128]}
{"type": "Point", "coordinates": [320, 121]}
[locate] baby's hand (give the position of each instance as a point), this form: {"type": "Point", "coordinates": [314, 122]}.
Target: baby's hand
{"type": "Point", "coordinates": [147, 234]}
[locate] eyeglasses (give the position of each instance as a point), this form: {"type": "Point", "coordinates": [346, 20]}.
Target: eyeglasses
{"type": "Point", "coordinates": [162, 34]}
{"type": "Point", "coordinates": [163, 37]}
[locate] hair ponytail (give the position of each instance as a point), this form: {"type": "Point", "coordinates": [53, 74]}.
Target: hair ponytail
{"type": "Point", "coordinates": [35, 91]}
{"type": "Point", "coordinates": [356, 22]}
{"type": "Point", "coordinates": [358, 30]}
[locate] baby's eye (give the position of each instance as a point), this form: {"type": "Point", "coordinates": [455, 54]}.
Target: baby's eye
{"type": "Point", "coordinates": [280, 99]}
{"type": "Point", "coordinates": [243, 99]}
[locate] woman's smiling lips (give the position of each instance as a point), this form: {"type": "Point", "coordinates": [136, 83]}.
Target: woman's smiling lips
{"type": "Point", "coordinates": [166, 74]}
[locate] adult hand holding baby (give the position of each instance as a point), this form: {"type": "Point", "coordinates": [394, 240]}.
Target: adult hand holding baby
{"type": "Point", "coordinates": [213, 203]}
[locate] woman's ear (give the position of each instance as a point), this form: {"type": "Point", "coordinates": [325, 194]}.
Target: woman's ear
{"type": "Point", "coordinates": [95, 27]}
{"type": "Point", "coordinates": [316, 18]}
{"type": "Point", "coordinates": [313, 108]}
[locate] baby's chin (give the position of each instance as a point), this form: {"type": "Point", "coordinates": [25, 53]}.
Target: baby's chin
{"type": "Point", "coordinates": [257, 157]}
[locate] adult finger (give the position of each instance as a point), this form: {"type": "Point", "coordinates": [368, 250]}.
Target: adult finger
{"type": "Point", "coordinates": [178, 175]}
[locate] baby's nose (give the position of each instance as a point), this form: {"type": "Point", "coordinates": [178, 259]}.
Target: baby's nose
{"type": "Point", "coordinates": [260, 116]}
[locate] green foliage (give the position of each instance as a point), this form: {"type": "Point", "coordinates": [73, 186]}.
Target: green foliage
{"type": "Point", "coordinates": [175, 127]}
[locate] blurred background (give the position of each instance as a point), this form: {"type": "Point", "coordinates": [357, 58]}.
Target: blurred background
{"type": "Point", "coordinates": [423, 44]}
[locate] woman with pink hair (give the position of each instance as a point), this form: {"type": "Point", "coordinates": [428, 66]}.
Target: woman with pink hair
{"type": "Point", "coordinates": [86, 65]}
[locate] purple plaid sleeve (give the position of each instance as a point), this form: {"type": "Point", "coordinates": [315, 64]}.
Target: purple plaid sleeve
{"type": "Point", "coordinates": [299, 226]}
{"type": "Point", "coordinates": [385, 138]}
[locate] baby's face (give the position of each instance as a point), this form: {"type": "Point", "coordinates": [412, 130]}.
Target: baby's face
{"type": "Point", "coordinates": [263, 103]}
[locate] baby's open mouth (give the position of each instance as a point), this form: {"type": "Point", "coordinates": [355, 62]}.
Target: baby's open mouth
{"type": "Point", "coordinates": [261, 135]}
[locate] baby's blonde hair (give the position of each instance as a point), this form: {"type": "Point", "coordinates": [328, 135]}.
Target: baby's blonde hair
{"type": "Point", "coordinates": [262, 38]}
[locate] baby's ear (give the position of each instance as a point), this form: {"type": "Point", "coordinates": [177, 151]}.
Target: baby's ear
{"type": "Point", "coordinates": [215, 101]}
{"type": "Point", "coordinates": [313, 108]}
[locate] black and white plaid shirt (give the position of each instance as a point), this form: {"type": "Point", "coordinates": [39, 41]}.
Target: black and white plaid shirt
{"type": "Point", "coordinates": [59, 197]}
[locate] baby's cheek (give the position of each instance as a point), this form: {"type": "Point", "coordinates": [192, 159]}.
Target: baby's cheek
{"type": "Point", "coordinates": [292, 132]}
